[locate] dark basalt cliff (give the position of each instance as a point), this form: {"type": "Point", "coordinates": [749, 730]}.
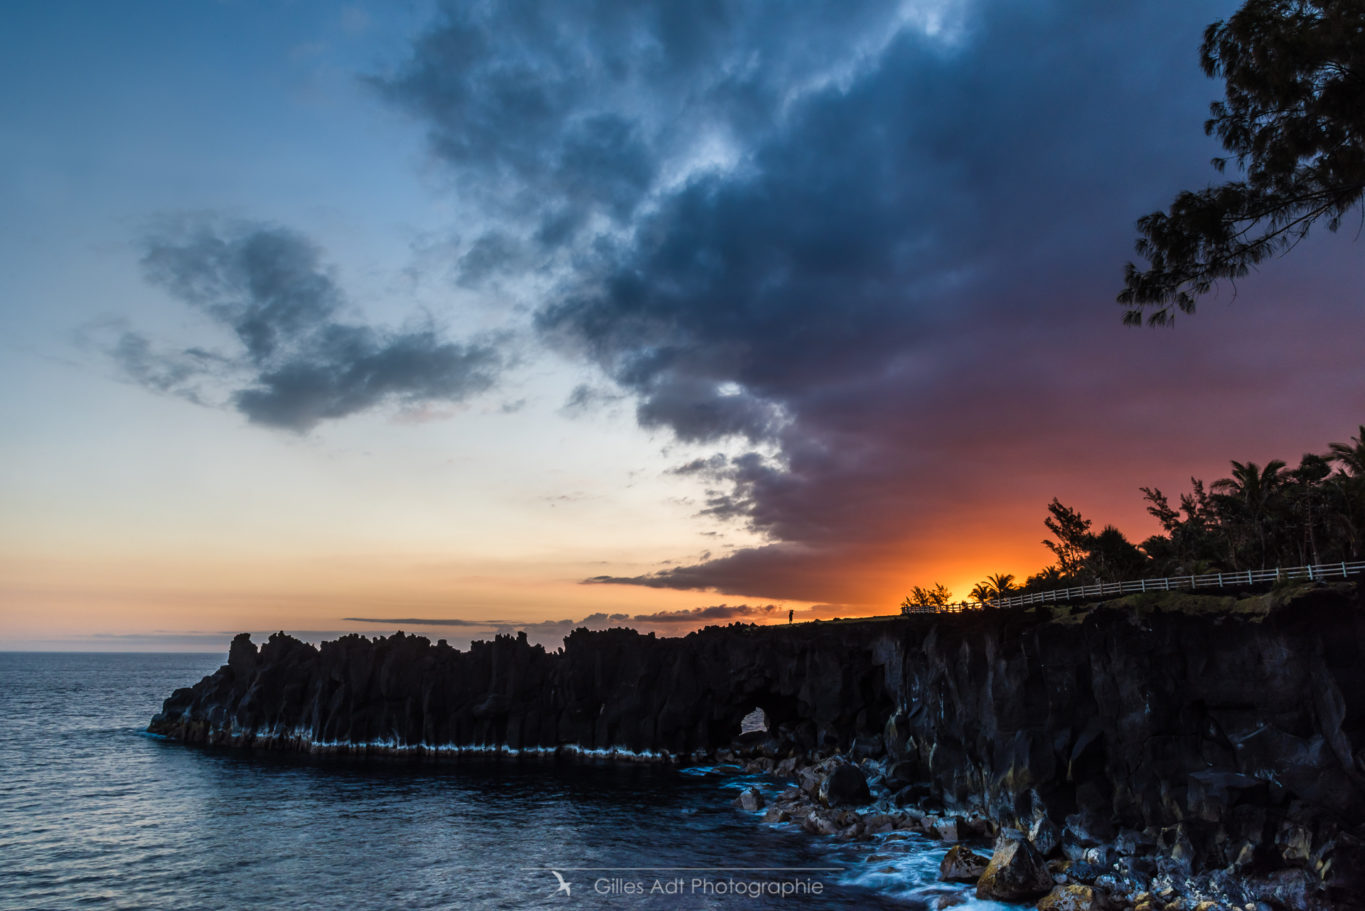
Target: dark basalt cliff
{"type": "Point", "coordinates": [1212, 733]}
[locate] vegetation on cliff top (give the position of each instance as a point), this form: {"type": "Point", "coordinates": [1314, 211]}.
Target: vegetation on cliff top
{"type": "Point", "coordinates": [1260, 517]}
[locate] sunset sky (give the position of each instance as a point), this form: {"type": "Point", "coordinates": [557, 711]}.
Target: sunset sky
{"type": "Point", "coordinates": [478, 316]}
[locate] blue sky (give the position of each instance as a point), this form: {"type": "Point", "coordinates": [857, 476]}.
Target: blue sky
{"type": "Point", "coordinates": [317, 311]}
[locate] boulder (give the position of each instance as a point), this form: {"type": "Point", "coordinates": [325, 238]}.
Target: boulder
{"type": "Point", "coordinates": [1071, 898]}
{"type": "Point", "coordinates": [844, 786]}
{"type": "Point", "coordinates": [878, 823]}
{"type": "Point", "coordinates": [777, 814]}
{"type": "Point", "coordinates": [1016, 872]}
{"type": "Point", "coordinates": [808, 779]}
{"type": "Point", "coordinates": [947, 829]}
{"type": "Point", "coordinates": [750, 799]}
{"type": "Point", "coordinates": [944, 900]}
{"type": "Point", "coordinates": [1045, 836]}
{"type": "Point", "coordinates": [819, 822]}
{"type": "Point", "coordinates": [961, 866]}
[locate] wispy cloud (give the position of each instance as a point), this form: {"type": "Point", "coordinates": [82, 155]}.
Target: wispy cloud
{"type": "Point", "coordinates": [428, 621]}
{"type": "Point", "coordinates": [297, 361]}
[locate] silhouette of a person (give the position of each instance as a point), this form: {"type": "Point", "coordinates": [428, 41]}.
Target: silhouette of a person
{"type": "Point", "coordinates": [790, 614]}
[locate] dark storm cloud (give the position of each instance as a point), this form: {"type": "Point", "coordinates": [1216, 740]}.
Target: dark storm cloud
{"type": "Point", "coordinates": [300, 362]}
{"type": "Point", "coordinates": [892, 281]}
{"type": "Point", "coordinates": [559, 120]}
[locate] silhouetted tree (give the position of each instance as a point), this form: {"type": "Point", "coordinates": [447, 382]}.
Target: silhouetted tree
{"type": "Point", "coordinates": [1293, 119]}
{"type": "Point", "coordinates": [1245, 500]}
{"type": "Point", "coordinates": [1350, 456]}
{"type": "Point", "coordinates": [927, 598]}
{"type": "Point", "coordinates": [1073, 538]}
{"type": "Point", "coordinates": [1304, 504]}
{"type": "Point", "coordinates": [1196, 544]}
{"type": "Point", "coordinates": [1113, 558]}
{"type": "Point", "coordinates": [1346, 490]}
{"type": "Point", "coordinates": [1047, 578]}
{"type": "Point", "coordinates": [1002, 584]}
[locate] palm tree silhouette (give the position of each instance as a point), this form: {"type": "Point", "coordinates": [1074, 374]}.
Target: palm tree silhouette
{"type": "Point", "coordinates": [1001, 584]}
{"type": "Point", "coordinates": [1249, 492]}
{"type": "Point", "coordinates": [1350, 455]}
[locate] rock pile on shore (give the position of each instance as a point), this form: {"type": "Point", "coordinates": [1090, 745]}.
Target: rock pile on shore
{"type": "Point", "coordinates": [1036, 862]}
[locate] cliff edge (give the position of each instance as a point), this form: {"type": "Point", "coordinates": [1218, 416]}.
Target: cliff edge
{"type": "Point", "coordinates": [1213, 734]}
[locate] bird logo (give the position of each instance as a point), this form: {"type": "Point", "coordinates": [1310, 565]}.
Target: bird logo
{"type": "Point", "coordinates": [563, 885]}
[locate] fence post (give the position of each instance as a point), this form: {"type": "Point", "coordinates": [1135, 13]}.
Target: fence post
{"type": "Point", "coordinates": [1310, 574]}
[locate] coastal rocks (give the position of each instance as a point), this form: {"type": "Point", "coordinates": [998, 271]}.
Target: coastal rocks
{"type": "Point", "coordinates": [1045, 836]}
{"type": "Point", "coordinates": [947, 830]}
{"type": "Point", "coordinates": [1171, 738]}
{"type": "Point", "coordinates": [1072, 898]}
{"type": "Point", "coordinates": [750, 799]}
{"type": "Point", "coordinates": [962, 866]}
{"type": "Point", "coordinates": [1016, 872]}
{"type": "Point", "coordinates": [844, 785]}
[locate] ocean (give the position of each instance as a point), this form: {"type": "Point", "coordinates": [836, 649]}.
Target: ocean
{"type": "Point", "coordinates": [95, 813]}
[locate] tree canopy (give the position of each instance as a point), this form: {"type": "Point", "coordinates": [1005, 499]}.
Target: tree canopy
{"type": "Point", "coordinates": [1261, 516]}
{"type": "Point", "coordinates": [1293, 120]}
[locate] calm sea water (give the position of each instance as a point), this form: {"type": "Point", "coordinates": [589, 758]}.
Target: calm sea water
{"type": "Point", "coordinates": [94, 813]}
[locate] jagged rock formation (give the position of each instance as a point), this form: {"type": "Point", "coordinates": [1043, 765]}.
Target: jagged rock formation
{"type": "Point", "coordinates": [1214, 734]}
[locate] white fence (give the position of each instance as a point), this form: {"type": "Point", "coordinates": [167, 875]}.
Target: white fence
{"type": "Point", "coordinates": [1322, 571]}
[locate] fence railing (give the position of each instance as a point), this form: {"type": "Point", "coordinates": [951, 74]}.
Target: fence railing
{"type": "Point", "coordinates": [1319, 572]}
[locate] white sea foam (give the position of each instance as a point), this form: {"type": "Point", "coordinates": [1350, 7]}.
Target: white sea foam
{"type": "Point", "coordinates": [303, 739]}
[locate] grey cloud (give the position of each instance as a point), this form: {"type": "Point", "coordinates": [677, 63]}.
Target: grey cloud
{"type": "Point", "coordinates": [556, 118]}
{"type": "Point", "coordinates": [353, 368]}
{"type": "Point", "coordinates": [696, 410]}
{"type": "Point", "coordinates": [705, 614]}
{"type": "Point", "coordinates": [584, 398]}
{"type": "Point", "coordinates": [492, 254]}
{"type": "Point", "coordinates": [894, 273]}
{"type": "Point", "coordinates": [300, 363]}
{"type": "Point", "coordinates": [175, 372]}
{"type": "Point", "coordinates": [266, 283]}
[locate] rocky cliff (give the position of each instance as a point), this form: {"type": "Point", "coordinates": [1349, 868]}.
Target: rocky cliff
{"type": "Point", "coordinates": [1209, 734]}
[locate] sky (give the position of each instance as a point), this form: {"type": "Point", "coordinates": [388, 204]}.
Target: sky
{"type": "Point", "coordinates": [460, 318]}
